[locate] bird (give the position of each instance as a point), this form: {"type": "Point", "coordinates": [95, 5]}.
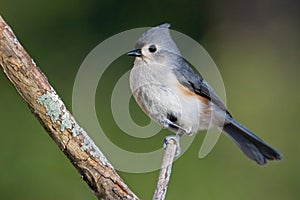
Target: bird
{"type": "Point", "coordinates": [171, 93]}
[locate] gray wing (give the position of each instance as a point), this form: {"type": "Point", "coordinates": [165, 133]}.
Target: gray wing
{"type": "Point", "coordinates": [194, 82]}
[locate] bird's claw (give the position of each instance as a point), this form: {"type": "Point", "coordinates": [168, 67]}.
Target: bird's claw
{"type": "Point", "coordinates": [176, 139]}
{"type": "Point", "coordinates": [166, 123]}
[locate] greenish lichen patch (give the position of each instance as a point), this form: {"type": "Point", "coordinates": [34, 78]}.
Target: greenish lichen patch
{"type": "Point", "coordinates": [86, 145]}
{"type": "Point", "coordinates": [65, 122]}
{"type": "Point", "coordinates": [89, 145]}
{"type": "Point", "coordinates": [56, 110]}
{"type": "Point", "coordinates": [76, 129]}
{"type": "Point", "coordinates": [52, 104]}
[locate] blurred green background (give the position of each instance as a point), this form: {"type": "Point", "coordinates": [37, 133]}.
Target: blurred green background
{"type": "Point", "coordinates": [256, 47]}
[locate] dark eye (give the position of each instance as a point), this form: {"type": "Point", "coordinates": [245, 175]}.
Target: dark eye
{"type": "Point", "coordinates": [152, 48]}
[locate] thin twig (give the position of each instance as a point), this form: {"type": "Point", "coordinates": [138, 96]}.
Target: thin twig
{"type": "Point", "coordinates": [166, 169]}
{"type": "Point", "coordinates": [49, 109]}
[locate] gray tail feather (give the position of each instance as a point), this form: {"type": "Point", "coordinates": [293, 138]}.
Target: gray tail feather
{"type": "Point", "coordinates": [251, 145]}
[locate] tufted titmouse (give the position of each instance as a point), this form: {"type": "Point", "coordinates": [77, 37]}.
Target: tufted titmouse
{"type": "Point", "coordinates": [173, 95]}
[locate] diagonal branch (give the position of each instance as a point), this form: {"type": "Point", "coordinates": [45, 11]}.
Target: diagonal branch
{"type": "Point", "coordinates": [49, 109]}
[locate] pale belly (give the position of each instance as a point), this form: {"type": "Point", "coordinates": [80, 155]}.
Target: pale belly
{"type": "Point", "coordinates": [164, 100]}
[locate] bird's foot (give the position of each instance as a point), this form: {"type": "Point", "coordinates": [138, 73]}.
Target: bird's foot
{"type": "Point", "coordinates": [176, 139]}
{"type": "Point", "coordinates": [166, 123]}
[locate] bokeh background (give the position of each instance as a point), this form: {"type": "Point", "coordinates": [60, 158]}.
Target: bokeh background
{"type": "Point", "coordinates": [256, 46]}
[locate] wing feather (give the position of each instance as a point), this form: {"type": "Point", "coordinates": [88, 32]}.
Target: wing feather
{"type": "Point", "coordinates": [194, 82]}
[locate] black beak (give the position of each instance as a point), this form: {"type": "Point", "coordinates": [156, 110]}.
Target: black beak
{"type": "Point", "coordinates": [135, 53]}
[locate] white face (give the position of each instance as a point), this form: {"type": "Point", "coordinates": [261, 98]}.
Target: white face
{"type": "Point", "coordinates": [148, 51]}
{"type": "Point", "coordinates": [153, 53]}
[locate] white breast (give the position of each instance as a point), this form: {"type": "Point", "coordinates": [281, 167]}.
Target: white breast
{"type": "Point", "coordinates": [159, 92]}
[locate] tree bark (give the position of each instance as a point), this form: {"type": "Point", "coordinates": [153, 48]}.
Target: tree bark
{"type": "Point", "coordinates": [58, 122]}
